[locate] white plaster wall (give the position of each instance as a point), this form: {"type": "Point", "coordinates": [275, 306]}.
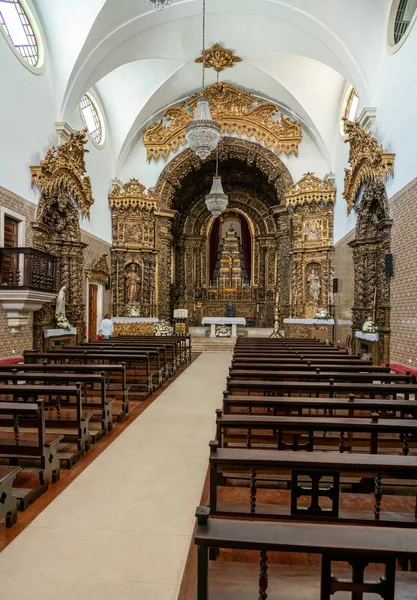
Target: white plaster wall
{"type": "Point", "coordinates": [27, 111]}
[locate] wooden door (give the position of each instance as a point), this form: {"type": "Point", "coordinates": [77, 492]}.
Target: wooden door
{"type": "Point", "coordinates": [9, 271]}
{"type": "Point", "coordinates": [92, 312]}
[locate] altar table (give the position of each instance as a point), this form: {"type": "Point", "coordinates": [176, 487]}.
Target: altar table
{"type": "Point", "coordinates": [233, 321]}
{"type": "Point", "coordinates": [308, 328]}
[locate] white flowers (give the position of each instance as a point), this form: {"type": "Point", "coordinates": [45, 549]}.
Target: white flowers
{"type": "Point", "coordinates": [322, 314]}
{"type": "Point", "coordinates": [369, 327]}
{"type": "Point", "coordinates": [163, 328]}
{"type": "Point", "coordinates": [223, 331]}
{"type": "Point", "coordinates": [62, 322]}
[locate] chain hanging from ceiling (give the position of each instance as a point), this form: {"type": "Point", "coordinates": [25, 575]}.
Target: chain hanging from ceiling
{"type": "Point", "coordinates": [159, 4]}
{"type": "Point", "coordinates": [203, 134]}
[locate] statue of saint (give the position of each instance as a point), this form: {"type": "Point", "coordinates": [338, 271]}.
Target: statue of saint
{"type": "Point", "coordinates": [314, 285]}
{"type": "Point", "coordinates": [60, 302]}
{"type": "Point", "coordinates": [230, 309]}
{"type": "Point", "coordinates": [132, 284]}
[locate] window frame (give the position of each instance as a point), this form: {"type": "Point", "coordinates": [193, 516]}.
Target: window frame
{"type": "Point", "coordinates": [100, 115]}
{"type": "Point", "coordinates": [346, 102]}
{"type": "Point", "coordinates": [391, 45]}
{"type": "Point", "coordinates": [39, 68]}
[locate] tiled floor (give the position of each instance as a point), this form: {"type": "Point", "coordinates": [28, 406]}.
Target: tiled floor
{"type": "Point", "coordinates": [122, 529]}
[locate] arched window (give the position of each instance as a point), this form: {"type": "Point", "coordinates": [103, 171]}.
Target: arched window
{"type": "Point", "coordinates": [401, 20]}
{"type": "Point", "coordinates": [350, 107]}
{"type": "Point", "coordinates": [19, 28]}
{"type": "Point", "coordinates": [92, 119]}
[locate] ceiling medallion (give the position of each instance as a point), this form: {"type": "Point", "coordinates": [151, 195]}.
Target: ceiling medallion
{"type": "Point", "coordinates": [368, 161]}
{"type": "Point", "coordinates": [202, 133]}
{"type": "Point", "coordinates": [159, 4]}
{"type": "Point", "coordinates": [219, 58]}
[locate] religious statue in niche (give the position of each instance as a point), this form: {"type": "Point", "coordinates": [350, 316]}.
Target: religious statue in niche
{"type": "Point", "coordinates": [132, 284]}
{"type": "Point", "coordinates": [314, 285]}
{"type": "Point", "coordinates": [61, 320]}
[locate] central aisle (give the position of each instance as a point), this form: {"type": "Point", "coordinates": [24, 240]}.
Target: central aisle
{"type": "Point", "coordinates": [122, 529]}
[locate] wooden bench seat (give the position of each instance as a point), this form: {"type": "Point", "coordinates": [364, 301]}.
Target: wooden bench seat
{"type": "Point", "coordinates": [333, 542]}
{"type": "Point", "coordinates": [271, 431]}
{"type": "Point", "coordinates": [328, 388]}
{"type": "Point", "coordinates": [351, 406]}
{"type": "Point", "coordinates": [308, 366]}
{"type": "Point", "coordinates": [75, 427]}
{"type": "Point", "coordinates": [8, 503]}
{"type": "Point", "coordinates": [319, 375]}
{"type": "Point", "coordinates": [314, 467]}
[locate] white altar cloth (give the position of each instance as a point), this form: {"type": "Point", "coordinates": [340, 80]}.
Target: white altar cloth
{"type": "Point", "coordinates": [370, 337]}
{"type": "Point", "coordinates": [309, 321]}
{"type": "Point", "coordinates": [233, 321]}
{"type": "Point", "coordinates": [58, 332]}
{"type": "Point", "coordinates": [135, 320]}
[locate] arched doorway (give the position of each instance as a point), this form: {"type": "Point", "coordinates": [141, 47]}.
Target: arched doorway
{"type": "Point", "coordinates": [256, 181]}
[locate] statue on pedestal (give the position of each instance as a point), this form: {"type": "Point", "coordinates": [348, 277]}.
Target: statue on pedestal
{"type": "Point", "coordinates": [132, 284]}
{"type": "Point", "coordinates": [314, 285]}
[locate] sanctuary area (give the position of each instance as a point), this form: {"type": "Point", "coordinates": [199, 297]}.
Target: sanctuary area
{"type": "Point", "coordinates": [208, 343]}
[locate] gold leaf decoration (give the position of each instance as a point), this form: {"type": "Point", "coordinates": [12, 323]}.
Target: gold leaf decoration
{"type": "Point", "coordinates": [237, 111]}
{"type": "Point", "coordinates": [368, 161]}
{"type": "Point", "coordinates": [310, 190]}
{"type": "Point", "coordinates": [100, 271]}
{"type": "Point", "coordinates": [132, 195]}
{"type": "Point", "coordinates": [219, 58]}
{"type": "Point", "coordinates": [63, 170]}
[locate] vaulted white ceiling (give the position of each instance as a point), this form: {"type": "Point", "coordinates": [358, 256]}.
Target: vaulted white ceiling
{"type": "Point", "coordinates": [299, 53]}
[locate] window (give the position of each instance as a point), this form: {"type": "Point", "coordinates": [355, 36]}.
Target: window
{"type": "Point", "coordinates": [92, 119]}
{"type": "Point", "coordinates": [401, 20]}
{"type": "Point", "coordinates": [18, 27]}
{"type": "Point", "coordinates": [350, 107]}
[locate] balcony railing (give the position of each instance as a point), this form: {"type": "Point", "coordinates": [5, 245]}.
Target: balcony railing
{"type": "Point", "coordinates": [27, 268]}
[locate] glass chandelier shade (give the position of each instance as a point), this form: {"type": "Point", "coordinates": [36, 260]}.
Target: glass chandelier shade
{"type": "Point", "coordinates": [203, 134]}
{"type": "Point", "coordinates": [159, 4]}
{"type": "Point", "coordinates": [217, 200]}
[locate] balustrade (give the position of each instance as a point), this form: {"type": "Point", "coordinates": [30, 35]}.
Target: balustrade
{"type": "Point", "coordinates": [27, 268]}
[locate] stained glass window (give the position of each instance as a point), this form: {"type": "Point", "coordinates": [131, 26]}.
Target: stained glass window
{"type": "Point", "coordinates": [91, 119]}
{"type": "Point", "coordinates": [19, 30]}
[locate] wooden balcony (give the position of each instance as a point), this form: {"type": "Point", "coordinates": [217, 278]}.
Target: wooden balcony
{"type": "Point", "coordinates": [27, 268]}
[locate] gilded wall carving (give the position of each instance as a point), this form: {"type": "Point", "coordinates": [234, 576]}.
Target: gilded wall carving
{"type": "Point", "coordinates": [368, 161]}
{"type": "Point", "coordinates": [141, 252]}
{"type": "Point", "coordinates": [237, 111]}
{"type": "Point", "coordinates": [310, 203]}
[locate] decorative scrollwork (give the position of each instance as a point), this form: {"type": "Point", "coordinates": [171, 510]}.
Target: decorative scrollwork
{"type": "Point", "coordinates": [63, 170]}
{"type": "Point", "coordinates": [219, 58]}
{"type": "Point", "coordinates": [100, 271]}
{"type": "Point", "coordinates": [368, 161]}
{"type": "Point", "coordinates": [237, 111]}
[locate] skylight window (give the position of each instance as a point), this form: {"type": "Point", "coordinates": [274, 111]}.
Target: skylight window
{"type": "Point", "coordinates": [18, 29]}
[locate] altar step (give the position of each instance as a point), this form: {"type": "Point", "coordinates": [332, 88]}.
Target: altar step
{"type": "Point", "coordinates": [206, 344]}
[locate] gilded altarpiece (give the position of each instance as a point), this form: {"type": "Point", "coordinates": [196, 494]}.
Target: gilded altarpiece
{"type": "Point", "coordinates": [65, 193]}
{"type": "Point", "coordinates": [141, 255]}
{"type": "Point", "coordinates": [365, 193]}
{"type": "Point", "coordinates": [310, 203]}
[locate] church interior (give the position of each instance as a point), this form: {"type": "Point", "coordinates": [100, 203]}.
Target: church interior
{"type": "Point", "coordinates": [208, 299]}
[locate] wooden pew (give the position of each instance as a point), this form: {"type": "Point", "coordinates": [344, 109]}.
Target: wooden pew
{"type": "Point", "coordinates": [183, 341]}
{"type": "Point", "coordinates": [255, 464]}
{"type": "Point", "coordinates": [239, 429]}
{"type": "Point", "coordinates": [328, 388]}
{"type": "Point", "coordinates": [93, 389]}
{"type": "Point", "coordinates": [116, 383]}
{"type": "Point", "coordinates": [23, 436]}
{"type": "Point", "coordinates": [63, 412]}
{"type": "Point", "coordinates": [8, 503]}
{"type": "Point", "coordinates": [356, 363]}
{"type": "Point", "coordinates": [308, 366]}
{"type": "Point", "coordinates": [319, 375]}
{"type": "Point", "coordinates": [334, 542]}
{"type": "Point", "coordinates": [138, 372]}
{"type": "Point", "coordinates": [350, 406]}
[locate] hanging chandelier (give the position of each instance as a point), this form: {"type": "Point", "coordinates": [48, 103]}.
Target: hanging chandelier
{"type": "Point", "coordinates": [159, 4]}
{"type": "Point", "coordinates": [217, 200]}
{"type": "Point", "coordinates": [203, 134]}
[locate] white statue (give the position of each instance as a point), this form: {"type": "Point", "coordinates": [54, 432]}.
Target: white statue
{"type": "Point", "coordinates": [314, 285]}
{"type": "Point", "coordinates": [60, 302]}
